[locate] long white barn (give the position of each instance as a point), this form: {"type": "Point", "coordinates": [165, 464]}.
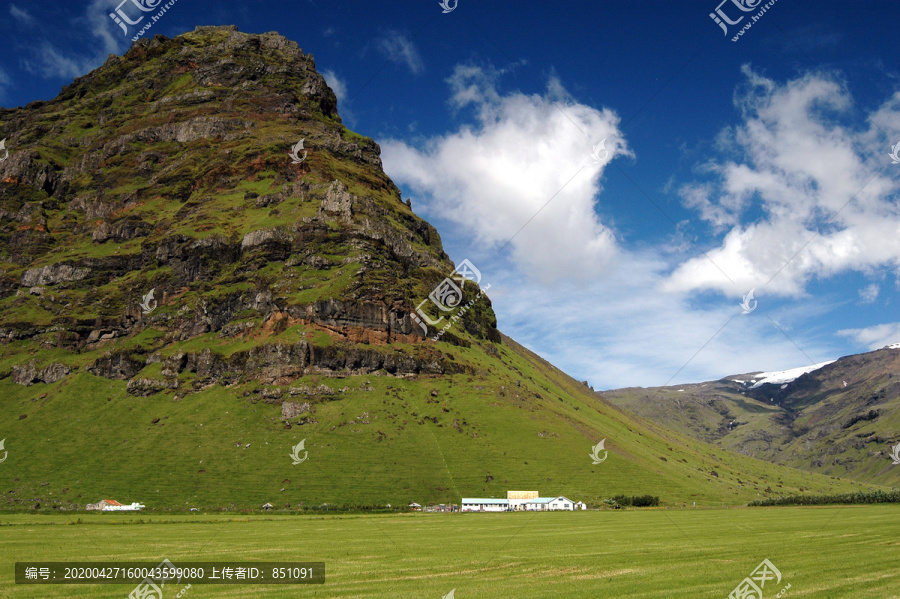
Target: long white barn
{"type": "Point", "coordinates": [538, 504]}
{"type": "Point", "coordinates": [478, 504]}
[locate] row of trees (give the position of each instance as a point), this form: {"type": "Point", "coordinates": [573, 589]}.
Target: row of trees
{"type": "Point", "coordinates": [844, 498]}
{"type": "Point", "coordinates": [634, 501]}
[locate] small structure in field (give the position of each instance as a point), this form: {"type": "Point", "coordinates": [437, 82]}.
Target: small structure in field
{"type": "Point", "coordinates": [111, 505]}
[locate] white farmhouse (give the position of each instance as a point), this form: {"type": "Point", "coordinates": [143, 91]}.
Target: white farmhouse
{"type": "Point", "coordinates": [550, 504]}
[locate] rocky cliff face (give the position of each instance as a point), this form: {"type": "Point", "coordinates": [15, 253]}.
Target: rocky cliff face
{"type": "Point", "coordinates": [167, 170]}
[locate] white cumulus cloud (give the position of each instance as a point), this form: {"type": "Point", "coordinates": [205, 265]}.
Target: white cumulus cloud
{"type": "Point", "coordinates": [522, 174]}
{"type": "Point", "coordinates": [806, 195]}
{"type": "Point", "coordinates": [779, 181]}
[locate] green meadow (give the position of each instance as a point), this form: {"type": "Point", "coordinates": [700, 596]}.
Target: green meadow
{"type": "Point", "coordinates": [823, 552]}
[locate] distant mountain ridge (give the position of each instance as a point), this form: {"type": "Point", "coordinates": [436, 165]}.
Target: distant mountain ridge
{"type": "Point", "coordinates": [840, 418]}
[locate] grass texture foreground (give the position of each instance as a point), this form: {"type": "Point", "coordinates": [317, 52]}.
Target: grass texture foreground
{"type": "Point", "coordinates": [822, 552]}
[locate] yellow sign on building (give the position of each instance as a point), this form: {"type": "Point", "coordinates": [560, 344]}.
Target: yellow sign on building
{"type": "Point", "coordinates": [522, 495]}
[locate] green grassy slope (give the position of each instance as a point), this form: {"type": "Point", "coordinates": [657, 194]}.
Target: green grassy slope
{"type": "Point", "coordinates": [517, 423]}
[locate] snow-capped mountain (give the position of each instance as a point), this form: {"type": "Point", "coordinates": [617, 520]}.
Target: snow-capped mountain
{"type": "Point", "coordinates": [837, 418]}
{"type": "Point", "coordinates": [779, 377]}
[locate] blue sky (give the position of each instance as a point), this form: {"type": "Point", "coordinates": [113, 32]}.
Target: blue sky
{"type": "Point", "coordinates": [761, 163]}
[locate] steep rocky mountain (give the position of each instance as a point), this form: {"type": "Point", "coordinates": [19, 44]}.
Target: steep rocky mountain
{"type": "Point", "coordinates": [168, 169]}
{"type": "Point", "coordinates": [198, 309]}
{"type": "Point", "coordinates": [840, 419]}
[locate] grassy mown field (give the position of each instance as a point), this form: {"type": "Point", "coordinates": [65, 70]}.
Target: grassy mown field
{"type": "Point", "coordinates": [849, 551]}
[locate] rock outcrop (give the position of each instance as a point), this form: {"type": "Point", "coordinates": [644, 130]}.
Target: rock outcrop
{"type": "Point", "coordinates": [51, 275]}
{"type": "Point", "coordinates": [29, 374]}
